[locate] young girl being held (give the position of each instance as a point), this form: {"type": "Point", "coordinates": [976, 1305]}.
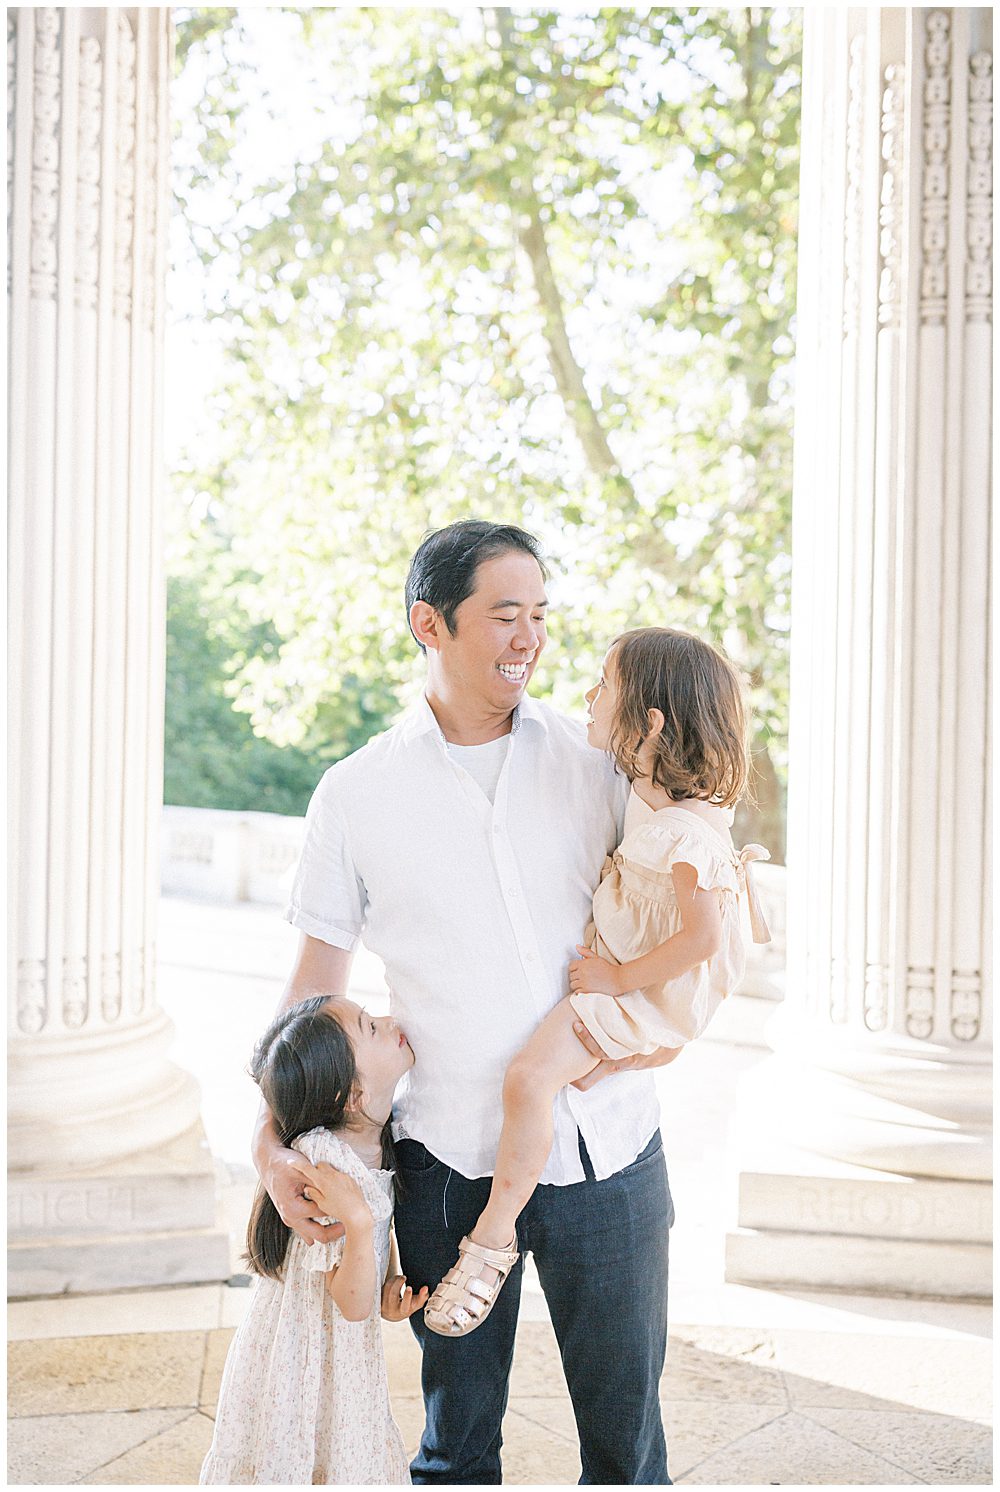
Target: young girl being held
{"type": "Point", "coordinates": [304, 1397]}
{"type": "Point", "coordinates": [665, 945]}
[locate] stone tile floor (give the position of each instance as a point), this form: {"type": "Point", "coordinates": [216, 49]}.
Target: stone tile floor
{"type": "Point", "coordinates": [743, 1406]}
{"type": "Point", "coordinates": [765, 1388]}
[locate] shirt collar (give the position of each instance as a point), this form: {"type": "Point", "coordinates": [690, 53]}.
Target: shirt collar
{"type": "Point", "coordinates": [420, 719]}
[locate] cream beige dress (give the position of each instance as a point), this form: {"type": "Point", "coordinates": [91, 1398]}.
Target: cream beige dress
{"type": "Point", "coordinates": [635, 910]}
{"type": "Point", "coordinates": [304, 1397]}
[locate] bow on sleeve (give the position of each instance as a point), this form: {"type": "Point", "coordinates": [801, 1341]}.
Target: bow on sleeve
{"type": "Point", "coordinates": [748, 854]}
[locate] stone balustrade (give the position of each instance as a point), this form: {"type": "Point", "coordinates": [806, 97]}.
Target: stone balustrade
{"type": "Point", "coordinates": [214, 854]}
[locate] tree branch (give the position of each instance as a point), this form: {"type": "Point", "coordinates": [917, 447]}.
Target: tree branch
{"type": "Point", "coordinates": [565, 369]}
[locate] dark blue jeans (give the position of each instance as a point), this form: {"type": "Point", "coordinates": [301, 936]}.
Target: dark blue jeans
{"type": "Point", "coordinates": [600, 1248]}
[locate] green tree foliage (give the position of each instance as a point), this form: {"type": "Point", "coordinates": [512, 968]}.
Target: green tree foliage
{"type": "Point", "coordinates": [540, 268]}
{"type": "Point", "coordinates": [213, 759]}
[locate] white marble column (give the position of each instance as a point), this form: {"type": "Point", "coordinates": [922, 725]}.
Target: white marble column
{"type": "Point", "coordinates": [865, 1149]}
{"type": "Point", "coordinates": [96, 1108]}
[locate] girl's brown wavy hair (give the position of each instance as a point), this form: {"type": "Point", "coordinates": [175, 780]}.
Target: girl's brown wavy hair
{"type": "Point", "coordinates": [702, 750]}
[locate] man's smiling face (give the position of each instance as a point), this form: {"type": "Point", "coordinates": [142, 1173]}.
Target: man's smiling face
{"type": "Point", "coordinates": [499, 633]}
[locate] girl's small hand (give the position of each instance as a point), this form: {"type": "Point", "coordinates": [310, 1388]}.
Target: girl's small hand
{"type": "Point", "coordinates": [399, 1301]}
{"type": "Point", "coordinates": [335, 1194]}
{"type": "Point", "coordinates": [593, 974]}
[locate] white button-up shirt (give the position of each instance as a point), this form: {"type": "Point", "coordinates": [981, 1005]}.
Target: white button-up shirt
{"type": "Point", "coordinates": [476, 910]}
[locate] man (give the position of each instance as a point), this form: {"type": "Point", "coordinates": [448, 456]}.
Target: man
{"type": "Point", "coordinates": [466, 843]}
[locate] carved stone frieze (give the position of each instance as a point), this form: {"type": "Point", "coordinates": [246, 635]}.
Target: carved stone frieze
{"type": "Point", "coordinates": [125, 152]}
{"type": "Point", "coordinates": [979, 226]}
{"type": "Point", "coordinates": [74, 991]}
{"type": "Point", "coordinates": [88, 168]}
{"type": "Point", "coordinates": [31, 992]}
{"type": "Point", "coordinates": [11, 108]}
{"type": "Point", "coordinates": [920, 1003]}
{"type": "Point", "coordinates": [151, 227]}
{"type": "Point", "coordinates": [853, 200]}
{"type": "Point", "coordinates": [937, 137]}
{"type": "Point", "coordinates": [838, 991]}
{"type": "Point", "coordinates": [111, 986]}
{"type": "Point", "coordinates": [45, 155]}
{"type": "Point", "coordinates": [876, 997]}
{"type": "Point", "coordinates": [890, 215]}
{"type": "Point", "coordinates": [966, 1005]}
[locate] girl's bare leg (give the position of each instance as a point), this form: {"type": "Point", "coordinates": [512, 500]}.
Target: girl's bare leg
{"type": "Point", "coordinates": [551, 1059]}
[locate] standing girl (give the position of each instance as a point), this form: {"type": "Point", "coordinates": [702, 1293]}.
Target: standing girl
{"type": "Point", "coordinates": [665, 946]}
{"type": "Point", "coordinates": [304, 1396]}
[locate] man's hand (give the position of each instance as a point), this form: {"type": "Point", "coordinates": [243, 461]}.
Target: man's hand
{"type": "Point", "coordinates": [594, 975]}
{"type": "Point", "coordinates": [399, 1301]}
{"type": "Point", "coordinates": [607, 1066]}
{"type": "Point", "coordinates": [332, 1193]}
{"type": "Point", "coordinates": [285, 1181]}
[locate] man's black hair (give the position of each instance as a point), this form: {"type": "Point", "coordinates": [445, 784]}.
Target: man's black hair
{"type": "Point", "coordinates": [443, 570]}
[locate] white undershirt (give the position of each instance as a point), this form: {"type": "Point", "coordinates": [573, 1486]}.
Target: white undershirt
{"type": "Point", "coordinates": [483, 763]}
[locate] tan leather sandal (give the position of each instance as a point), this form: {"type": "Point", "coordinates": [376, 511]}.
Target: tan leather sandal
{"type": "Point", "coordinates": [463, 1299]}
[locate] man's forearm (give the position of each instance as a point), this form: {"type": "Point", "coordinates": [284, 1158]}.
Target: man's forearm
{"type": "Point", "coordinates": [319, 969]}
{"type": "Point", "coordinates": [264, 1142]}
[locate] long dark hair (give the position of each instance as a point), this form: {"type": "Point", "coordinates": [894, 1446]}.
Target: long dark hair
{"type": "Point", "coordinates": [305, 1069]}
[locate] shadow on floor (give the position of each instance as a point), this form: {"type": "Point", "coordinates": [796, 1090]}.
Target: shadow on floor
{"type": "Point", "coordinates": [741, 1407]}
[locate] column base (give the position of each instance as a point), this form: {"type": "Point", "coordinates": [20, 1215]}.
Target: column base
{"type": "Point", "coordinates": [807, 1221]}
{"type": "Point", "coordinates": [118, 1094]}
{"type": "Point", "coordinates": [146, 1220]}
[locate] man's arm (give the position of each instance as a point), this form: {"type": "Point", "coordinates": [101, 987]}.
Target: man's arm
{"type": "Point", "coordinates": [319, 968]}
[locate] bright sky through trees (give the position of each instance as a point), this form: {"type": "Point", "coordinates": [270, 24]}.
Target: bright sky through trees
{"type": "Point", "coordinates": [531, 264]}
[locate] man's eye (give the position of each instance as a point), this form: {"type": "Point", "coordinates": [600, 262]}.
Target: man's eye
{"type": "Point", "coordinates": [372, 1024]}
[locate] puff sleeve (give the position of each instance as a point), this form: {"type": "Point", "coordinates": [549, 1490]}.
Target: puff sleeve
{"type": "Point", "coordinates": [655, 848]}
{"type": "Point", "coordinates": [319, 1145]}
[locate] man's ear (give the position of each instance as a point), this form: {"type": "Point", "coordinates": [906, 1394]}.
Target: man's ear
{"type": "Point", "coordinates": [426, 624]}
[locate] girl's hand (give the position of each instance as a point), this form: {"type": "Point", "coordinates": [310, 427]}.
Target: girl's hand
{"type": "Point", "coordinates": [398, 1299]}
{"type": "Point", "coordinates": [333, 1193]}
{"type": "Point", "coordinates": [593, 974]}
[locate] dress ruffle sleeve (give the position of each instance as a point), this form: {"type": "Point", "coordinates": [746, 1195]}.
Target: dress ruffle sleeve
{"type": "Point", "coordinates": [320, 1145]}
{"type": "Point", "coordinates": [654, 849]}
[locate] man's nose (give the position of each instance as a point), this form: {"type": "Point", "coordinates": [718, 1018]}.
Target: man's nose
{"type": "Point", "coordinates": [526, 638]}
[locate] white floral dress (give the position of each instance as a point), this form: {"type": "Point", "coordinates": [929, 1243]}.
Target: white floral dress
{"type": "Point", "coordinates": [635, 911]}
{"type": "Point", "coordinates": [304, 1398]}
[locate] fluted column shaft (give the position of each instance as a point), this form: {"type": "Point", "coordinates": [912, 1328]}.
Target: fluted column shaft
{"type": "Point", "coordinates": [889, 794]}
{"type": "Point", "coordinates": [882, 1067]}
{"type": "Point", "coordinates": [88, 159]}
